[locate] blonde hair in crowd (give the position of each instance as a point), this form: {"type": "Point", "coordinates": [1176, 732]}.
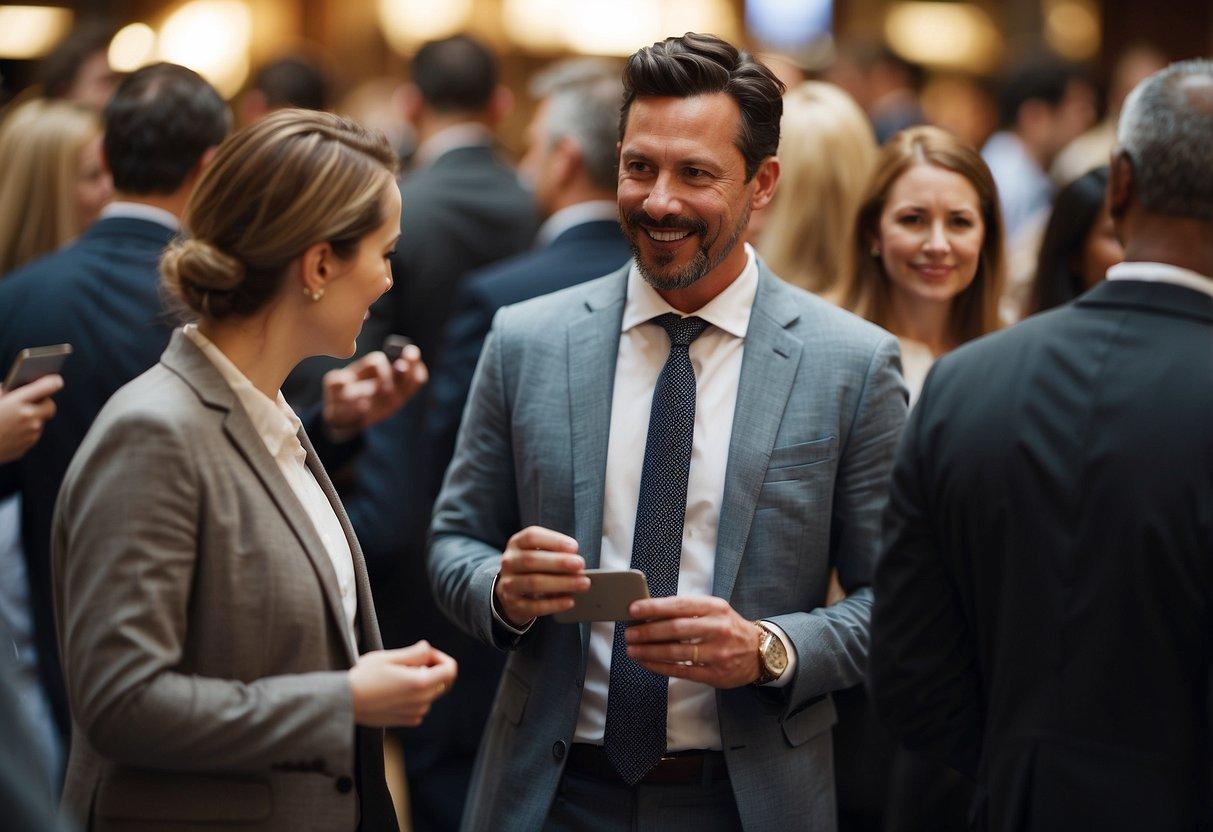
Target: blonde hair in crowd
{"type": "Point", "coordinates": [40, 144]}
{"type": "Point", "coordinates": [291, 180]}
{"type": "Point", "coordinates": [827, 151]}
{"type": "Point", "coordinates": [866, 291]}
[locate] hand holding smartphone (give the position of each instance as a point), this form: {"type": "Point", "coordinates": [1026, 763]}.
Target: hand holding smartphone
{"type": "Point", "coordinates": [34, 363]}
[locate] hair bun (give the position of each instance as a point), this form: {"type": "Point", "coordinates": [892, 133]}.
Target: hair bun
{"type": "Point", "coordinates": [203, 276]}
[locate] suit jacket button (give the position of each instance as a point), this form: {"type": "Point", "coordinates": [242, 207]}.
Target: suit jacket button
{"type": "Point", "coordinates": [558, 749]}
{"type": "Point", "coordinates": [344, 784]}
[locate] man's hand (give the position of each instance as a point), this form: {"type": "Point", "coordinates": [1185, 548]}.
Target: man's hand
{"type": "Point", "coordinates": [371, 389]}
{"type": "Point", "coordinates": [23, 413]}
{"type": "Point", "coordinates": [700, 638]}
{"type": "Point", "coordinates": [397, 687]}
{"type": "Point", "coordinates": [540, 573]}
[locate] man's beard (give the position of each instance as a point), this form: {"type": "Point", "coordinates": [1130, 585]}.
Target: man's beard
{"type": "Point", "coordinates": [703, 261]}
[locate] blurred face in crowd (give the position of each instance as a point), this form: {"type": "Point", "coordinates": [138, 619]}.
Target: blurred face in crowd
{"type": "Point", "coordinates": [536, 169]}
{"type": "Point", "coordinates": [94, 83]}
{"type": "Point", "coordinates": [931, 234]}
{"type": "Point", "coordinates": [683, 196]}
{"type": "Point", "coordinates": [1101, 250]}
{"type": "Point", "coordinates": [357, 282]}
{"type": "Point", "coordinates": [94, 187]}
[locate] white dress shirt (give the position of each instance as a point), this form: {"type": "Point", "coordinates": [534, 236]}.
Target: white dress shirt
{"type": "Point", "coordinates": [691, 721]}
{"type": "Point", "coordinates": [1162, 273]}
{"type": "Point", "coordinates": [278, 427]}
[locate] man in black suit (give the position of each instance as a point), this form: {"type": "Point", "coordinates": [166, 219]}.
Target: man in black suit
{"type": "Point", "coordinates": [571, 167]}
{"type": "Point", "coordinates": [102, 295]}
{"type": "Point", "coordinates": [463, 206]}
{"type": "Point", "coordinates": [1044, 601]}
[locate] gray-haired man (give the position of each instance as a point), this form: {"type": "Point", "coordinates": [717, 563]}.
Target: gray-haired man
{"type": "Point", "coordinates": [1043, 605]}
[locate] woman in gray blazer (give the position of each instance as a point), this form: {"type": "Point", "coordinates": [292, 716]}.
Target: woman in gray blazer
{"type": "Point", "coordinates": [218, 636]}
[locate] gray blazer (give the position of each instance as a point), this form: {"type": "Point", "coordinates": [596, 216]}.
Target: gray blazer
{"type": "Point", "coordinates": [200, 624]}
{"type": "Point", "coordinates": [820, 408]}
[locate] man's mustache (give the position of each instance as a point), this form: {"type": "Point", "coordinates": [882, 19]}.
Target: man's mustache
{"type": "Point", "coordinates": [635, 219]}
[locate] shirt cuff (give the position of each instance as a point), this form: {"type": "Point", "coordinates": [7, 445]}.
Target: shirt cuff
{"type": "Point", "coordinates": [789, 673]}
{"type": "Point", "coordinates": [510, 628]}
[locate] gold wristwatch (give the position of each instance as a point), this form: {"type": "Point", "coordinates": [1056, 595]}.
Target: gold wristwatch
{"type": "Point", "coordinates": [772, 655]}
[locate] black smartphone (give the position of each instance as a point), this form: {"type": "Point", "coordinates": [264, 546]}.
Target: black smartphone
{"type": "Point", "coordinates": [34, 363]}
{"type": "Point", "coordinates": [393, 346]}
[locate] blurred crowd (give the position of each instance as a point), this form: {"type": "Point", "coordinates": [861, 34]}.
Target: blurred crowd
{"type": "Point", "coordinates": [877, 182]}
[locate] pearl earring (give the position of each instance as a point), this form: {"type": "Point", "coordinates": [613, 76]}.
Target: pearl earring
{"type": "Point", "coordinates": [315, 294]}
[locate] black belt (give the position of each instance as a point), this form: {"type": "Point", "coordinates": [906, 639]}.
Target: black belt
{"type": "Point", "coordinates": [679, 767]}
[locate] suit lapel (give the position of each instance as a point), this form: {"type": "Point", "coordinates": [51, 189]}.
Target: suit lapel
{"type": "Point", "coordinates": [768, 369]}
{"type": "Point", "coordinates": [188, 362]}
{"type": "Point", "coordinates": [593, 347]}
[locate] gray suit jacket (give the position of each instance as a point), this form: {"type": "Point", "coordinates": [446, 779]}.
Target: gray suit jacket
{"type": "Point", "coordinates": [820, 408]}
{"type": "Point", "coordinates": [200, 624]}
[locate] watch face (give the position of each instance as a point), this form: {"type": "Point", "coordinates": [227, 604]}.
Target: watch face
{"type": "Point", "coordinates": [774, 655]}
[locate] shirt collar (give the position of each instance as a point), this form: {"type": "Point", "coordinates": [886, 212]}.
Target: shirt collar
{"type": "Point", "coordinates": [566, 218]}
{"type": "Point", "coordinates": [468, 134]}
{"type": "Point", "coordinates": [141, 211]}
{"type": "Point", "coordinates": [274, 421]}
{"type": "Point", "coordinates": [729, 311]}
{"type": "Point", "coordinates": [1162, 273]}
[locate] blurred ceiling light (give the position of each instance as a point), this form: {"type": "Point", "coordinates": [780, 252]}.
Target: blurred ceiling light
{"type": "Point", "coordinates": [212, 38]}
{"type": "Point", "coordinates": [789, 24]}
{"type": "Point", "coordinates": [31, 31]}
{"type": "Point", "coordinates": [407, 23]}
{"type": "Point", "coordinates": [1072, 28]}
{"type": "Point", "coordinates": [133, 47]}
{"type": "Point", "coordinates": [944, 34]}
{"type": "Point", "coordinates": [713, 17]}
{"type": "Point", "coordinates": [535, 24]}
{"type": "Point", "coordinates": [612, 27]}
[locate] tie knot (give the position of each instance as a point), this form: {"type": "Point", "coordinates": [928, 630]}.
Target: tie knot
{"type": "Point", "coordinates": [682, 331]}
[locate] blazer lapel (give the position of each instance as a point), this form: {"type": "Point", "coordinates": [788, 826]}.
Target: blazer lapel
{"type": "Point", "coordinates": [768, 369]}
{"type": "Point", "coordinates": [593, 347]}
{"type": "Point", "coordinates": [187, 361]}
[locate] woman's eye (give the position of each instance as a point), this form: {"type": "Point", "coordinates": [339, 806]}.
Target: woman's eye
{"type": "Point", "coordinates": [910, 219]}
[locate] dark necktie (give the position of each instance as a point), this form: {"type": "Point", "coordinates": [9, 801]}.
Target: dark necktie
{"type": "Point", "coordinates": [634, 739]}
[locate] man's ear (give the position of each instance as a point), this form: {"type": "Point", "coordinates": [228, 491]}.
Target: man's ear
{"type": "Point", "coordinates": [1120, 185]}
{"type": "Point", "coordinates": [500, 105]}
{"type": "Point", "coordinates": [411, 103]}
{"type": "Point", "coordinates": [766, 178]}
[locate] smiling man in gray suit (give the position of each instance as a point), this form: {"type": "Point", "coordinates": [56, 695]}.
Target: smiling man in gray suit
{"type": "Point", "coordinates": [694, 417]}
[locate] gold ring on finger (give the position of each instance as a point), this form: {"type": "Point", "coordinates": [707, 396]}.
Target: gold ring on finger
{"type": "Point", "coordinates": [441, 688]}
{"type": "Point", "coordinates": [695, 654]}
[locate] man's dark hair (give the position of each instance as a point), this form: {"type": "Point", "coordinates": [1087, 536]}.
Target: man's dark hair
{"type": "Point", "coordinates": [293, 81]}
{"type": "Point", "coordinates": [157, 126]}
{"type": "Point", "coordinates": [455, 75]}
{"type": "Point", "coordinates": [704, 64]}
{"type": "Point", "coordinates": [58, 70]}
{"type": "Point", "coordinates": [1045, 81]}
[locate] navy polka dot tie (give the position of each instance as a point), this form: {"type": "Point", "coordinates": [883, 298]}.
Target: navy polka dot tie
{"type": "Point", "coordinates": [636, 701]}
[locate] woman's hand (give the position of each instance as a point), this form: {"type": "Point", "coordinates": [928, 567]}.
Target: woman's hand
{"type": "Point", "coordinates": [23, 412]}
{"type": "Point", "coordinates": [371, 389]}
{"type": "Point", "coordinates": [397, 687]}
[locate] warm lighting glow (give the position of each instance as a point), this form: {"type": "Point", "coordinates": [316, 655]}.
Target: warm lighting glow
{"type": "Point", "coordinates": [713, 17]}
{"type": "Point", "coordinates": [535, 24]}
{"type": "Point", "coordinates": [134, 46]}
{"type": "Point", "coordinates": [210, 37]}
{"type": "Point", "coordinates": [1072, 29]}
{"type": "Point", "coordinates": [408, 23]}
{"type": "Point", "coordinates": [31, 31]}
{"type": "Point", "coordinates": [613, 27]}
{"type": "Point", "coordinates": [945, 35]}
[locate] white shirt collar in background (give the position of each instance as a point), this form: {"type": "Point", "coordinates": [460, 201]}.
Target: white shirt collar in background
{"type": "Point", "coordinates": [566, 218]}
{"type": "Point", "coordinates": [468, 134]}
{"type": "Point", "coordinates": [141, 211]}
{"type": "Point", "coordinates": [1162, 273]}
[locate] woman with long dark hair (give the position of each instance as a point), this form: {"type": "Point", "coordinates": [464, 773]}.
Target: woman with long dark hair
{"type": "Point", "coordinates": [1079, 243]}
